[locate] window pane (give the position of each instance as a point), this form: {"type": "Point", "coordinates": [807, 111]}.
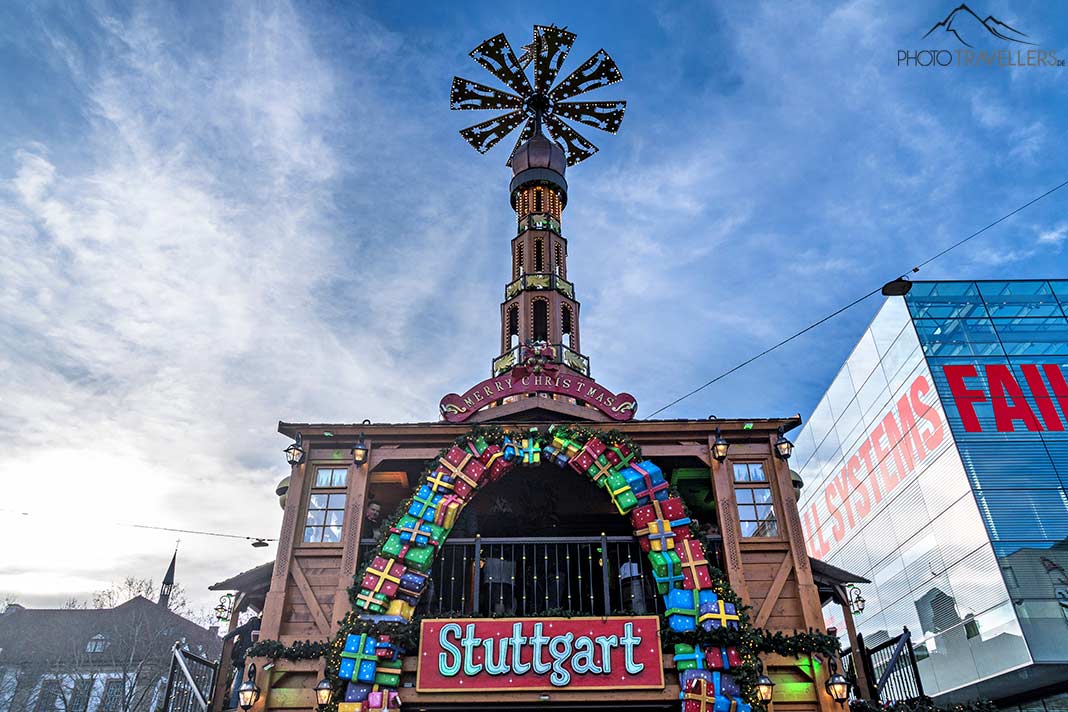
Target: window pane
{"type": "Point", "coordinates": [747, 512]}
{"type": "Point", "coordinates": [315, 516]}
{"type": "Point", "coordinates": [318, 501]}
{"type": "Point", "coordinates": [337, 501]}
{"type": "Point", "coordinates": [322, 477]}
{"type": "Point", "coordinates": [756, 472]}
{"type": "Point", "coordinates": [765, 511]}
{"type": "Point", "coordinates": [340, 477]}
{"type": "Point", "coordinates": [761, 495]}
{"type": "Point", "coordinates": [332, 534]}
{"type": "Point", "coordinates": [744, 496]}
{"type": "Point", "coordinates": [748, 528]}
{"type": "Point", "coordinates": [335, 517]}
{"type": "Point", "coordinates": [741, 472]}
{"type": "Point", "coordinates": [313, 534]}
{"type": "Point", "coordinates": [768, 528]}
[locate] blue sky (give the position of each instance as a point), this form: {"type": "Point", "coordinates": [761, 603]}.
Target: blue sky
{"type": "Point", "coordinates": [215, 216]}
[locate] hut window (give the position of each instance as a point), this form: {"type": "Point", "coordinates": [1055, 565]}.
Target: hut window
{"type": "Point", "coordinates": [538, 256]}
{"type": "Point", "coordinates": [756, 510]}
{"type": "Point", "coordinates": [113, 694]}
{"type": "Point", "coordinates": [559, 254]}
{"type": "Point", "coordinates": [537, 200]}
{"type": "Point", "coordinates": [513, 326]}
{"type": "Point", "coordinates": [541, 320]}
{"type": "Point", "coordinates": [326, 506]}
{"type": "Point", "coordinates": [519, 260]}
{"type": "Point", "coordinates": [97, 644]}
{"type": "Point", "coordinates": [565, 324]}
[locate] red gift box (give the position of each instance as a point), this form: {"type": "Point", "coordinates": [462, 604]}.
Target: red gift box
{"type": "Point", "coordinates": [699, 696]}
{"type": "Point", "coordinates": [383, 576]}
{"type": "Point", "coordinates": [493, 460]}
{"type": "Point", "coordinates": [722, 658]}
{"type": "Point", "coordinates": [619, 455]}
{"type": "Point", "coordinates": [465, 468]}
{"type": "Point", "coordinates": [670, 510]}
{"type": "Point", "coordinates": [695, 572]}
{"type": "Point", "coordinates": [582, 461]}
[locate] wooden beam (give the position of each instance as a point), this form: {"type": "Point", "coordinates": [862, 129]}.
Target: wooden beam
{"type": "Point", "coordinates": [773, 593]}
{"type": "Point", "coordinates": [308, 595]}
{"type": "Point", "coordinates": [384, 454]}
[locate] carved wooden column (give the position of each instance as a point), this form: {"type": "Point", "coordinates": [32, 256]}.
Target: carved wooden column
{"type": "Point", "coordinates": [726, 507]}
{"type": "Point", "coordinates": [352, 530]}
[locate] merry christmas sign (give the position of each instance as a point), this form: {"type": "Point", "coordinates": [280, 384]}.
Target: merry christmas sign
{"type": "Point", "coordinates": [460, 655]}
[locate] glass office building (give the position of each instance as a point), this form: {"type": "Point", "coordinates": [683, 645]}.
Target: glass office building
{"type": "Point", "coordinates": [936, 465]}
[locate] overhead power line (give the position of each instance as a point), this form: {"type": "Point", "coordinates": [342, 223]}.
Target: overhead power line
{"type": "Point", "coordinates": [132, 525]}
{"type": "Point", "coordinates": [853, 303]}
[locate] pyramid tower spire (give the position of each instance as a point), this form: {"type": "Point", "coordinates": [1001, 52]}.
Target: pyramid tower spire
{"type": "Point", "coordinates": [168, 582]}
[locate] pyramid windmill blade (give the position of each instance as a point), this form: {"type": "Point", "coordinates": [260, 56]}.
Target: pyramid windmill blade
{"type": "Point", "coordinates": [603, 115]}
{"type": "Point", "coordinates": [526, 133]}
{"type": "Point", "coordinates": [577, 147]}
{"type": "Point", "coordinates": [467, 95]}
{"type": "Point", "coordinates": [496, 56]}
{"type": "Point", "coordinates": [551, 45]}
{"type": "Point", "coordinates": [488, 134]}
{"type": "Point", "coordinates": [598, 71]}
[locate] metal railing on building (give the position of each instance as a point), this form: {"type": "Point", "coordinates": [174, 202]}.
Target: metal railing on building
{"type": "Point", "coordinates": [525, 576]}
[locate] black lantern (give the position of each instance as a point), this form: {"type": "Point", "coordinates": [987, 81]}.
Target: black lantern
{"type": "Point", "coordinates": [359, 451]}
{"type": "Point", "coordinates": [897, 288]}
{"type": "Point", "coordinates": [837, 686]}
{"type": "Point", "coordinates": [856, 601]}
{"type": "Point", "coordinates": [225, 607]}
{"type": "Point", "coordinates": [248, 693]}
{"type": "Point", "coordinates": [720, 447]}
{"type": "Point", "coordinates": [295, 453]}
{"type": "Point", "coordinates": [764, 685]}
{"type": "Point", "coordinates": [783, 447]}
{"type": "Point", "coordinates": [324, 691]}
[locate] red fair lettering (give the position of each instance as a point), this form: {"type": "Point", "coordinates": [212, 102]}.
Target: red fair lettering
{"type": "Point", "coordinates": [963, 396]}
{"type": "Point", "coordinates": [1003, 388]}
{"type": "Point", "coordinates": [1041, 395]}
{"type": "Point", "coordinates": [933, 438]}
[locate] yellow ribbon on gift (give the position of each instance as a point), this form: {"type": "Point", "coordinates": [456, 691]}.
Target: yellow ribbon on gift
{"type": "Point", "coordinates": [383, 576]}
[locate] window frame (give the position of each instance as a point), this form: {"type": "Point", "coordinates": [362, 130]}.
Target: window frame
{"type": "Point", "coordinates": [314, 490]}
{"type": "Point", "coordinates": [109, 684]}
{"type": "Point", "coordinates": [53, 687]}
{"type": "Point", "coordinates": [767, 483]}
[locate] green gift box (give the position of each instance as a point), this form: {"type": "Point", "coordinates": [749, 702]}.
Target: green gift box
{"type": "Point", "coordinates": [622, 494]}
{"type": "Point", "coordinates": [600, 471]}
{"type": "Point", "coordinates": [667, 570]}
{"type": "Point", "coordinates": [372, 602]}
{"type": "Point", "coordinates": [420, 558]}
{"type": "Point", "coordinates": [394, 546]}
{"type": "Point", "coordinates": [476, 446]}
{"type": "Point", "coordinates": [388, 673]}
{"type": "Point", "coordinates": [689, 657]}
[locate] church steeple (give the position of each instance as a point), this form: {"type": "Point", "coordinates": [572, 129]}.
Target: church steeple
{"type": "Point", "coordinates": [168, 583]}
{"type": "Point", "coordinates": [539, 301]}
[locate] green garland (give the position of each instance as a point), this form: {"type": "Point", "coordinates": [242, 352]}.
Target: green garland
{"type": "Point", "coordinates": [924, 704]}
{"type": "Point", "coordinates": [750, 642]}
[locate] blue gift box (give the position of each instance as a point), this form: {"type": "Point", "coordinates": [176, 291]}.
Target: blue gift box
{"type": "Point", "coordinates": [647, 481]}
{"type": "Point", "coordinates": [730, 686]}
{"type": "Point", "coordinates": [724, 701]}
{"type": "Point", "coordinates": [357, 692]}
{"type": "Point", "coordinates": [424, 504]}
{"type": "Point", "coordinates": [714, 613]}
{"type": "Point", "coordinates": [358, 659]}
{"type": "Point", "coordinates": [682, 606]}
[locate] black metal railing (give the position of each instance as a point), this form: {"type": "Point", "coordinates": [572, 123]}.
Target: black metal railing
{"type": "Point", "coordinates": [891, 669]}
{"type": "Point", "coordinates": [524, 576]}
{"type": "Point", "coordinates": [561, 354]}
{"type": "Point", "coordinates": [189, 683]}
{"type": "Point", "coordinates": [540, 281]}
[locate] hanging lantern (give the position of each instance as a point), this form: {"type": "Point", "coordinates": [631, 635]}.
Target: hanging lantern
{"type": "Point", "coordinates": [764, 685]}
{"type": "Point", "coordinates": [324, 691]}
{"type": "Point", "coordinates": [295, 453]}
{"type": "Point", "coordinates": [248, 693]}
{"type": "Point", "coordinates": [359, 451]}
{"type": "Point", "coordinates": [783, 447]}
{"type": "Point", "coordinates": [837, 686]}
{"type": "Point", "coordinates": [720, 447]}
{"type": "Point", "coordinates": [856, 601]}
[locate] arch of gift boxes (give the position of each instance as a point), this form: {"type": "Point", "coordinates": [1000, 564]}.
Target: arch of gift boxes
{"type": "Point", "coordinates": [390, 586]}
